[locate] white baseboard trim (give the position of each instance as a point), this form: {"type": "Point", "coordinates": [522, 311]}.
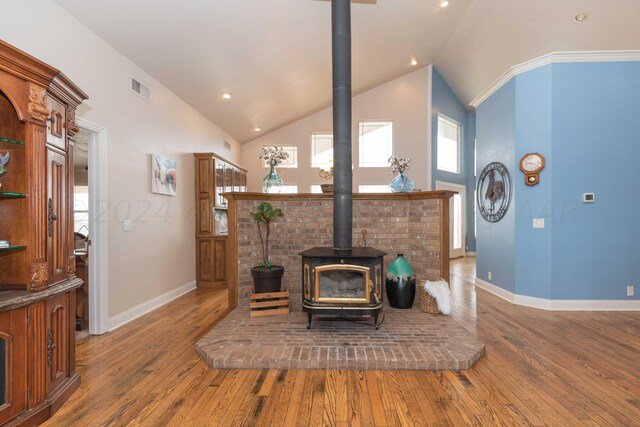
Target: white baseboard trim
{"type": "Point", "coordinates": [559, 305]}
{"type": "Point", "coordinates": [140, 310]}
{"type": "Point", "coordinates": [470, 253]}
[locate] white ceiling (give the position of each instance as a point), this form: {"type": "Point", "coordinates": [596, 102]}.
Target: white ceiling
{"type": "Point", "coordinates": [275, 55]}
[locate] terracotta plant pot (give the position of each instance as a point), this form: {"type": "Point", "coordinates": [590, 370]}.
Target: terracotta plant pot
{"type": "Point", "coordinates": [267, 279]}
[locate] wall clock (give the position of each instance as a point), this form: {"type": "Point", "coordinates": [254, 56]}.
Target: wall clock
{"type": "Point", "coordinates": [531, 164]}
{"type": "Point", "coordinates": [493, 193]}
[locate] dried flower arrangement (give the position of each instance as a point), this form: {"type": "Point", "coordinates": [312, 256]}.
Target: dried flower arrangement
{"type": "Point", "coordinates": [273, 155]}
{"type": "Point", "coordinates": [399, 165]}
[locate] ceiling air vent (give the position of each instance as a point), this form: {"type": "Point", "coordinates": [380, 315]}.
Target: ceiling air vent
{"type": "Point", "coordinates": [140, 89]}
{"type": "Point", "coordinates": [227, 145]}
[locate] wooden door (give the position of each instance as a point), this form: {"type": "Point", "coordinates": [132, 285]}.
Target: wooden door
{"type": "Point", "coordinates": [204, 196]}
{"type": "Point", "coordinates": [56, 216]}
{"type": "Point", "coordinates": [13, 363]}
{"type": "Point", "coordinates": [204, 264]}
{"type": "Point", "coordinates": [57, 344]}
{"type": "Point", "coordinates": [220, 260]}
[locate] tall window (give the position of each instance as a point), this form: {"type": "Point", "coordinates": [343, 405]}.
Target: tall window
{"type": "Point", "coordinates": [292, 160]}
{"type": "Point", "coordinates": [321, 149]}
{"type": "Point", "coordinates": [449, 135]}
{"type": "Point", "coordinates": [376, 143]}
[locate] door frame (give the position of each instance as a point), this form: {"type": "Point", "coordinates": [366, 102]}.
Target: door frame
{"type": "Point", "coordinates": [462, 190]}
{"type": "Point", "coordinates": [98, 224]}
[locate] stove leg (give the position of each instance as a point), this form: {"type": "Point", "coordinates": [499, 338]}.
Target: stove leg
{"type": "Point", "coordinates": [375, 320]}
{"type": "Point", "coordinates": [309, 324]}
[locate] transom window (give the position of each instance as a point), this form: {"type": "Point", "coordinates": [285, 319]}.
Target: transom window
{"type": "Point", "coordinates": [449, 135]}
{"type": "Point", "coordinates": [292, 160]}
{"type": "Point", "coordinates": [289, 189]}
{"type": "Point", "coordinates": [376, 143]}
{"type": "Point", "coordinates": [374, 188]}
{"type": "Point", "coordinates": [321, 150]}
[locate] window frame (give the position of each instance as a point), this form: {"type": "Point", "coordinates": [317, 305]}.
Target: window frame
{"type": "Point", "coordinates": [450, 121]}
{"type": "Point", "coordinates": [315, 164]}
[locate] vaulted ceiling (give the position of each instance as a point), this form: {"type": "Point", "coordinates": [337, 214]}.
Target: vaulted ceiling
{"type": "Point", "coordinates": [274, 56]}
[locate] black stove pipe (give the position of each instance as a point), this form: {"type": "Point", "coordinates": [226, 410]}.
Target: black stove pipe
{"type": "Point", "coordinates": [342, 173]}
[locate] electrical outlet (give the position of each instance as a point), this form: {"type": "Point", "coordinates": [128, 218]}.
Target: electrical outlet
{"type": "Point", "coordinates": [538, 222]}
{"type": "Point", "coordinates": [631, 291]}
{"type": "Point", "coordinates": [489, 275]}
{"type": "Point", "coordinates": [126, 225]}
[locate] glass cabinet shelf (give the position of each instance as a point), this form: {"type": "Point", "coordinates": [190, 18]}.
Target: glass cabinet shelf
{"type": "Point", "coordinates": [11, 141]}
{"type": "Point", "coordinates": [13, 248]}
{"type": "Point", "coordinates": [11, 195]}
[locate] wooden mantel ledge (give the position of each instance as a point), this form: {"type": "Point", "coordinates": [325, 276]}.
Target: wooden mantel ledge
{"type": "Point", "coordinates": [414, 195]}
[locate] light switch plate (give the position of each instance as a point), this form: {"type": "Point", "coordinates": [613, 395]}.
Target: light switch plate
{"type": "Point", "coordinates": [126, 225]}
{"type": "Point", "coordinates": [538, 222]}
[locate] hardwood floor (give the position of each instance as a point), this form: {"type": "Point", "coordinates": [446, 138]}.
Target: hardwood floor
{"type": "Point", "coordinates": [541, 368]}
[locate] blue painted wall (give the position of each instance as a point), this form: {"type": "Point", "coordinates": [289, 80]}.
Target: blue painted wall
{"type": "Point", "coordinates": [584, 118]}
{"type": "Point", "coordinates": [471, 180]}
{"type": "Point", "coordinates": [496, 138]}
{"type": "Point", "coordinates": [533, 134]}
{"type": "Point", "coordinates": [446, 103]}
{"type": "Point", "coordinates": [596, 148]}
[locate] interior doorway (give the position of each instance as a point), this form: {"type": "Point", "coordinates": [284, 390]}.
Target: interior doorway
{"type": "Point", "coordinates": [91, 226]}
{"type": "Point", "coordinates": [457, 232]}
{"type": "Point", "coordinates": [81, 230]}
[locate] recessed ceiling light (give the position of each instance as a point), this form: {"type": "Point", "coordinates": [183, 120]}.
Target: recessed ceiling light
{"type": "Point", "coordinates": [444, 3]}
{"type": "Point", "coordinates": [258, 129]}
{"type": "Point", "coordinates": [581, 17]}
{"type": "Point", "coordinates": [226, 95]}
{"type": "Point", "coordinates": [414, 62]}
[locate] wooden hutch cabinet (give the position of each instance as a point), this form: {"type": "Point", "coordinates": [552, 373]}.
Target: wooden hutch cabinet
{"type": "Point", "coordinates": [37, 263]}
{"type": "Point", "coordinates": [214, 176]}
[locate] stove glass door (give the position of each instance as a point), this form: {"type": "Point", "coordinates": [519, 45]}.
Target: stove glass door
{"type": "Point", "coordinates": [342, 283]}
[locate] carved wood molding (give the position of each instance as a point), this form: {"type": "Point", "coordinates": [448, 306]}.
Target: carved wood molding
{"type": "Point", "coordinates": [38, 102]}
{"type": "Point", "coordinates": [39, 273]}
{"type": "Point", "coordinates": [72, 127]}
{"type": "Point", "coordinates": [71, 266]}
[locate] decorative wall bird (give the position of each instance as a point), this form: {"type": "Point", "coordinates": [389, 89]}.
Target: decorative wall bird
{"type": "Point", "coordinates": [495, 190]}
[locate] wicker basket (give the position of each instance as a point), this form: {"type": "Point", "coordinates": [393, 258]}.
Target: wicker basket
{"type": "Point", "coordinates": [326, 188]}
{"type": "Point", "coordinates": [428, 304]}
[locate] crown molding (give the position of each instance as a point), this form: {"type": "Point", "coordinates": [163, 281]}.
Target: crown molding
{"type": "Point", "coordinates": [556, 58]}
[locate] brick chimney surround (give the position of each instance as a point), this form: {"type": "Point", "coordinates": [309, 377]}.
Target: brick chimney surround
{"type": "Point", "coordinates": [415, 224]}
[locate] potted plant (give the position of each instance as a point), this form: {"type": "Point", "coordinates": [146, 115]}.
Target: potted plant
{"type": "Point", "coordinates": [266, 277]}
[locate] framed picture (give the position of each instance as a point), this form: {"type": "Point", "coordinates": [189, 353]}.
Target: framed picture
{"type": "Point", "coordinates": [220, 221]}
{"type": "Point", "coordinates": [163, 175]}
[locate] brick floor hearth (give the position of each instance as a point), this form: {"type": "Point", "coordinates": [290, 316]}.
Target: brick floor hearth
{"type": "Point", "coordinates": [408, 339]}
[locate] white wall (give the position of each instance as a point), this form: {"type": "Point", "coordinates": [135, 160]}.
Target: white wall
{"type": "Point", "coordinates": [404, 101]}
{"type": "Point", "coordinates": [157, 256]}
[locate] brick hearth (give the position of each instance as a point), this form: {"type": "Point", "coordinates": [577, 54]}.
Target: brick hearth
{"type": "Point", "coordinates": [408, 339]}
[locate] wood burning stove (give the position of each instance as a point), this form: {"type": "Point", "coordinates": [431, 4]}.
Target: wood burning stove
{"type": "Point", "coordinates": [342, 283]}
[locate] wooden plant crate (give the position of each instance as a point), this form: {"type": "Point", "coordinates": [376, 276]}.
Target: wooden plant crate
{"type": "Point", "coordinates": [269, 304]}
